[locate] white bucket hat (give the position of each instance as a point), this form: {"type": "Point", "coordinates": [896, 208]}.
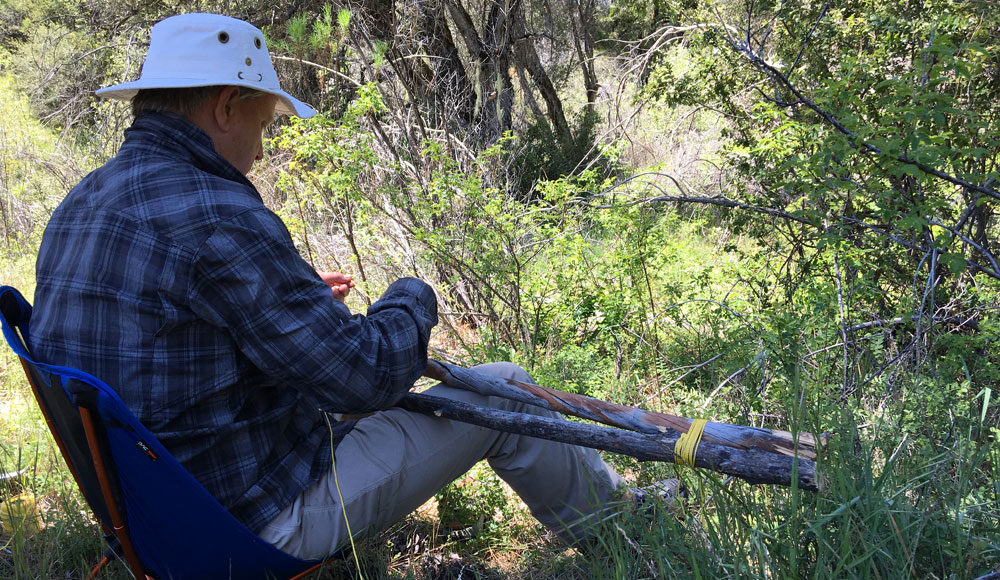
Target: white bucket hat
{"type": "Point", "coordinates": [201, 50]}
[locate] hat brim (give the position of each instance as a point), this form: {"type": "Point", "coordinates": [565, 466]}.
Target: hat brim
{"type": "Point", "coordinates": [287, 104]}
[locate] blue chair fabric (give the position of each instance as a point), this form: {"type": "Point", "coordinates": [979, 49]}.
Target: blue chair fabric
{"type": "Point", "coordinates": [176, 528]}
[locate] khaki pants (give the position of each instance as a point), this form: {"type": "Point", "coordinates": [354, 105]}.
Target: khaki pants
{"type": "Point", "coordinates": [393, 461]}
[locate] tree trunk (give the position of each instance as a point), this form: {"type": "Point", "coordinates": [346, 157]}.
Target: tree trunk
{"type": "Point", "coordinates": [490, 66]}
{"type": "Point", "coordinates": [434, 71]}
{"type": "Point", "coordinates": [583, 41]}
{"type": "Point", "coordinates": [527, 56]}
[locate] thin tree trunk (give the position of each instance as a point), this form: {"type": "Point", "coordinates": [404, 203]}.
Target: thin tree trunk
{"type": "Point", "coordinates": [491, 61]}
{"type": "Point", "coordinates": [583, 42]}
{"type": "Point", "coordinates": [527, 56]}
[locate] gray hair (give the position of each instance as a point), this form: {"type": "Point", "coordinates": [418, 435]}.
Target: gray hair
{"type": "Point", "coordinates": [182, 101]}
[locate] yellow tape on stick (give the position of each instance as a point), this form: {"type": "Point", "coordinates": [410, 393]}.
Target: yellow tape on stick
{"type": "Point", "coordinates": [20, 514]}
{"type": "Point", "coordinates": [686, 447]}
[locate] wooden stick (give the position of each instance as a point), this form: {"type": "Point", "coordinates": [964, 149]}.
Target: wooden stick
{"type": "Point", "coordinates": [752, 465]}
{"type": "Point", "coordinates": [735, 436]}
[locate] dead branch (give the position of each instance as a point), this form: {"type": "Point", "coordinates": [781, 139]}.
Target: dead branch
{"type": "Point", "coordinates": [992, 270]}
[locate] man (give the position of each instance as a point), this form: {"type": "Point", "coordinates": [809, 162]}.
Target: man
{"type": "Point", "coordinates": [164, 274]}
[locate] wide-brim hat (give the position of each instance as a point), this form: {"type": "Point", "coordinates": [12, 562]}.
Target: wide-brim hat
{"type": "Point", "coordinates": [203, 50]}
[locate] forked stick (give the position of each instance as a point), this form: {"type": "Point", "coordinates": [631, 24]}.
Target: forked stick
{"type": "Point", "coordinates": [752, 465]}
{"type": "Point", "coordinates": [624, 417]}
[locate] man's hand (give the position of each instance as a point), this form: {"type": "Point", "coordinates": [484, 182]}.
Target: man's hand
{"type": "Point", "coordinates": [340, 283]}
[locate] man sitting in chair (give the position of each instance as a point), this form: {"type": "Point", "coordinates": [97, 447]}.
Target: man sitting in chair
{"type": "Point", "coordinates": [164, 274]}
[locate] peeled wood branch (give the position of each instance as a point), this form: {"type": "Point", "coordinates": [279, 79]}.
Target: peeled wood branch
{"type": "Point", "coordinates": [956, 321]}
{"type": "Point", "coordinates": [752, 465]}
{"type": "Point", "coordinates": [323, 68]}
{"type": "Point", "coordinates": [631, 418]}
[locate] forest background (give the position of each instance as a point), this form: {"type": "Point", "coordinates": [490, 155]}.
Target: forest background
{"type": "Point", "coordinates": [779, 214]}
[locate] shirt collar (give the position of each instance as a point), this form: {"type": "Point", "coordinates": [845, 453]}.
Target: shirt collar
{"type": "Point", "coordinates": [176, 136]}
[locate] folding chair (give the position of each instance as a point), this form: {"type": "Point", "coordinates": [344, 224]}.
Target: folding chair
{"type": "Point", "coordinates": [154, 513]}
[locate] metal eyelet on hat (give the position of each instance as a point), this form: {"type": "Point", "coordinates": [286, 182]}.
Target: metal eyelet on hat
{"type": "Point", "coordinates": [256, 42]}
{"type": "Point", "coordinates": [248, 61]}
{"type": "Point", "coordinates": [223, 37]}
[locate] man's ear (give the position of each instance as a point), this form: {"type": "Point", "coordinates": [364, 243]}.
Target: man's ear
{"type": "Point", "coordinates": [224, 109]}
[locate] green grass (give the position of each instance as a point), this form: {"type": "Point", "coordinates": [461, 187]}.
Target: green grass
{"type": "Point", "coordinates": [69, 539]}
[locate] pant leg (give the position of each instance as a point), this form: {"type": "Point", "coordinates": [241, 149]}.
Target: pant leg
{"type": "Point", "coordinates": [395, 460]}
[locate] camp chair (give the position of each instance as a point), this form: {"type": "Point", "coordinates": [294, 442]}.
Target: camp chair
{"type": "Point", "coordinates": [154, 513]}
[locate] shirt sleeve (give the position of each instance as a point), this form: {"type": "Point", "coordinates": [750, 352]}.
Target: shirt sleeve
{"type": "Point", "coordinates": [249, 279]}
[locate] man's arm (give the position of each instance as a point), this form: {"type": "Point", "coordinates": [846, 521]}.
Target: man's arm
{"type": "Point", "coordinates": [249, 279]}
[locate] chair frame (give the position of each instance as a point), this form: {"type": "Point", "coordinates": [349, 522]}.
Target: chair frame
{"type": "Point", "coordinates": [105, 475]}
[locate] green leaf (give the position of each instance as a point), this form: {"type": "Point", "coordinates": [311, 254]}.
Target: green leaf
{"type": "Point", "coordinates": [954, 262]}
{"type": "Point", "coordinates": [344, 19]}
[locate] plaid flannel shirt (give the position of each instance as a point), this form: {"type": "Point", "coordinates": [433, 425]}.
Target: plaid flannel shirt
{"type": "Point", "coordinates": [164, 274]}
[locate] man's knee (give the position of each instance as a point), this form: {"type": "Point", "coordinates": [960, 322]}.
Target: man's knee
{"type": "Point", "coordinates": [509, 370]}
{"type": "Point", "coordinates": [505, 370]}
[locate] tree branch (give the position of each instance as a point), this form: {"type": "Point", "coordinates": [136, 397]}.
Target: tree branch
{"type": "Point", "coordinates": [771, 71]}
{"type": "Point", "coordinates": [753, 465]}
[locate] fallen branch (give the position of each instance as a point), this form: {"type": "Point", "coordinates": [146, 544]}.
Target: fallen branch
{"type": "Point", "coordinates": [754, 466]}
{"type": "Point", "coordinates": [631, 418]}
